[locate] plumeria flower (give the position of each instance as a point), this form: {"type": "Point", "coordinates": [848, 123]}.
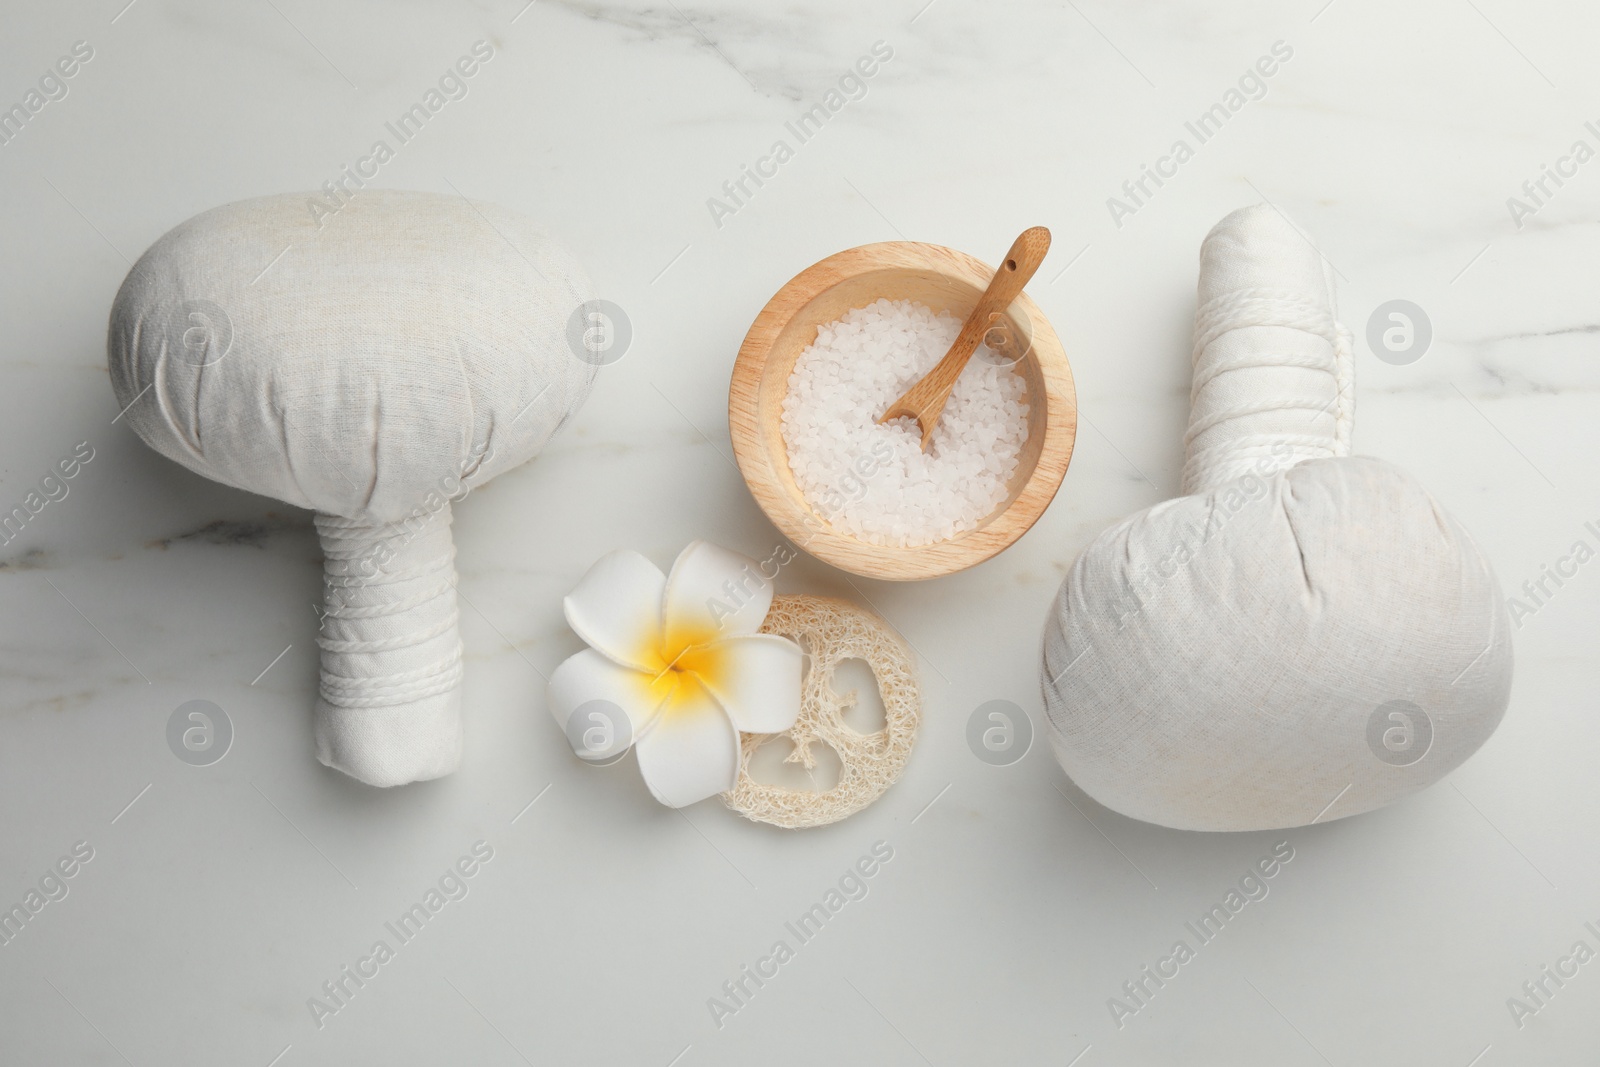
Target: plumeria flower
{"type": "Point", "coordinates": [678, 658]}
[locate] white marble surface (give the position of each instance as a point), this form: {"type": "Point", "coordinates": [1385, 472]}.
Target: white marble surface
{"type": "Point", "coordinates": [218, 903]}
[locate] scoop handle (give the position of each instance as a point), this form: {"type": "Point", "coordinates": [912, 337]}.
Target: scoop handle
{"type": "Point", "coordinates": [925, 400]}
{"type": "Point", "coordinates": [389, 702]}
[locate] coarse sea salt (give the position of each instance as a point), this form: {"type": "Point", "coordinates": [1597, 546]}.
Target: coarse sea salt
{"type": "Point", "coordinates": [874, 481]}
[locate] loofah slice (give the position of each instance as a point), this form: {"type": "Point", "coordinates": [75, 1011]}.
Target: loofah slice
{"type": "Point", "coordinates": [832, 631]}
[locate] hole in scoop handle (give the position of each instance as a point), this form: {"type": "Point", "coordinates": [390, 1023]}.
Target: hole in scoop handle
{"type": "Point", "coordinates": [1020, 264]}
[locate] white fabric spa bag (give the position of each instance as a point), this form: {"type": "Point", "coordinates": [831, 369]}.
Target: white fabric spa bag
{"type": "Point", "coordinates": [1303, 636]}
{"type": "Point", "coordinates": [373, 365]}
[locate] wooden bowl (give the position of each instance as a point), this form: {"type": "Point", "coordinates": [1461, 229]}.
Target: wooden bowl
{"type": "Point", "coordinates": [944, 280]}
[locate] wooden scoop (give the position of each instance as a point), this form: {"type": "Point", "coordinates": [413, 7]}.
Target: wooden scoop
{"type": "Point", "coordinates": [925, 401]}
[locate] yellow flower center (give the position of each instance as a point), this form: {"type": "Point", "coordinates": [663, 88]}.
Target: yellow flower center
{"type": "Point", "coordinates": [687, 658]}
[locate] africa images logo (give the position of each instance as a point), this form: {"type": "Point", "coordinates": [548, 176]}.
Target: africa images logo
{"type": "Point", "coordinates": [1399, 732]}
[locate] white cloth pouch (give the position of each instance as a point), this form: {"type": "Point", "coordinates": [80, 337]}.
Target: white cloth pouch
{"type": "Point", "coordinates": [1305, 635]}
{"type": "Point", "coordinates": [371, 365]}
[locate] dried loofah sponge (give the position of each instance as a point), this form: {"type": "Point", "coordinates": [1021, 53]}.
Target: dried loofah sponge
{"type": "Point", "coordinates": [832, 631]}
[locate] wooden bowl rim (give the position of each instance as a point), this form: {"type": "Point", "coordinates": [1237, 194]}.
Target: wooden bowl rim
{"type": "Point", "coordinates": [787, 509]}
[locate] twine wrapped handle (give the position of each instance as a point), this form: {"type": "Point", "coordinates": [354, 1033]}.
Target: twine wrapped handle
{"type": "Point", "coordinates": [1273, 368]}
{"type": "Point", "coordinates": [391, 649]}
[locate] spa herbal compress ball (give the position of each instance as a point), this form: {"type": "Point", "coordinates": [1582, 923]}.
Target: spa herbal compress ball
{"type": "Point", "coordinates": [372, 369]}
{"type": "Point", "coordinates": [1306, 634]}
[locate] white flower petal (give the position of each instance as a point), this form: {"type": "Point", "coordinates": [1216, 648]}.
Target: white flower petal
{"type": "Point", "coordinates": [616, 608]}
{"type": "Point", "coordinates": [615, 704]}
{"type": "Point", "coordinates": [757, 681]}
{"type": "Point", "coordinates": [691, 751]}
{"type": "Point", "coordinates": [713, 593]}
